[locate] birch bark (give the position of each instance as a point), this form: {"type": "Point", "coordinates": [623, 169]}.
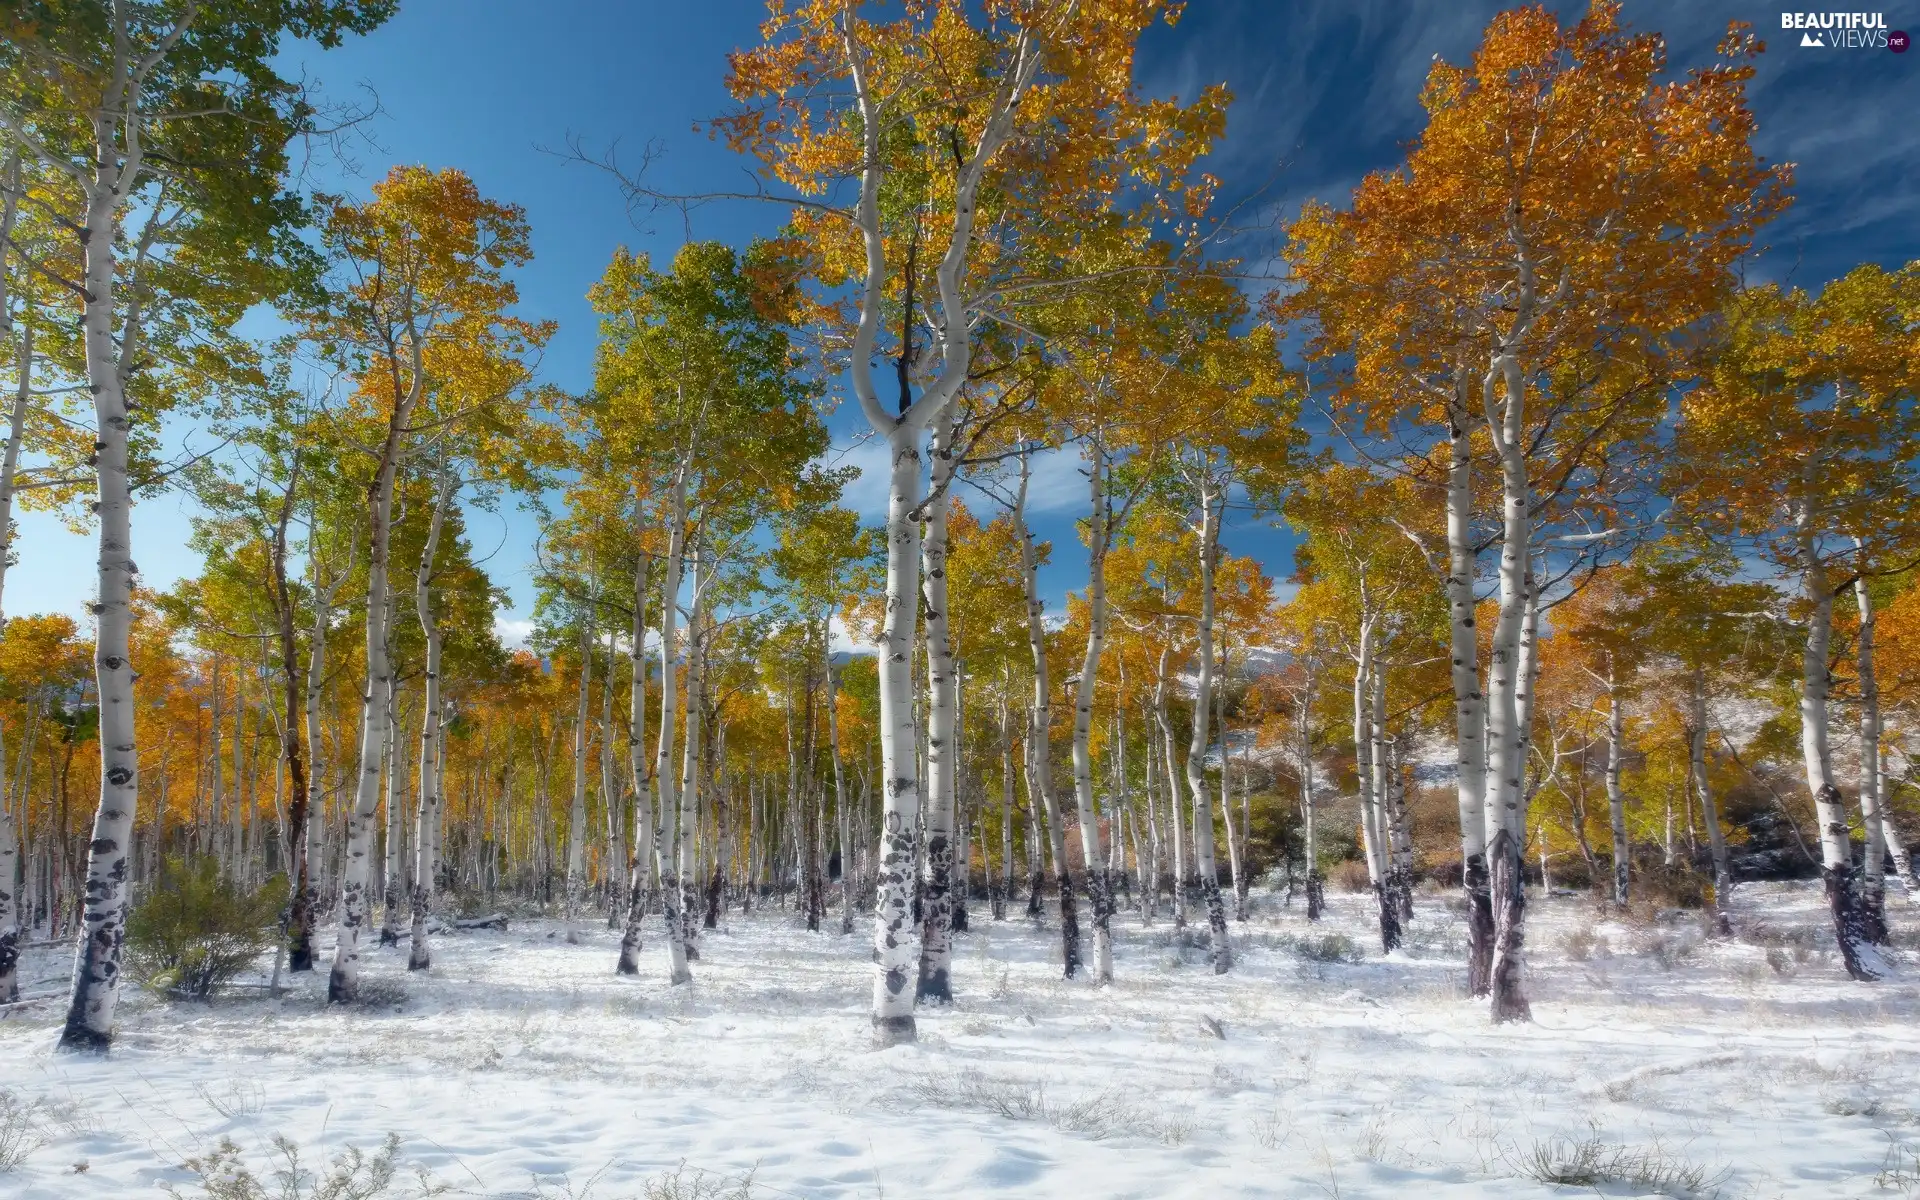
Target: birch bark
{"type": "Point", "coordinates": [343, 982]}
{"type": "Point", "coordinates": [1211, 503]}
{"type": "Point", "coordinates": [667, 838]}
{"type": "Point", "coordinates": [842, 823]}
{"type": "Point", "coordinates": [643, 831]}
{"type": "Point", "coordinates": [895, 954]}
{"type": "Point", "coordinates": [1316, 883]}
{"type": "Point", "coordinates": [109, 361]}
{"type": "Point", "coordinates": [1842, 878]}
{"type": "Point", "coordinates": [690, 749]}
{"type": "Point", "coordinates": [1616, 798]}
{"type": "Point", "coordinates": [1469, 703]}
{"type": "Point", "coordinates": [299, 920]}
{"type": "Point", "coordinates": [1175, 826]}
{"type": "Point", "coordinates": [936, 895]}
{"type": "Point", "coordinates": [1234, 877]}
{"type": "Point", "coordinates": [1042, 723]}
{"type": "Point", "coordinates": [1709, 807]}
{"type": "Point", "coordinates": [427, 816]}
{"type": "Point", "coordinates": [618, 856]}
{"type": "Point", "coordinates": [1873, 885]}
{"type": "Point", "coordinates": [23, 394]}
{"type": "Point", "coordinates": [1099, 880]}
{"type": "Point", "coordinates": [1506, 733]}
{"type": "Point", "coordinates": [577, 809]}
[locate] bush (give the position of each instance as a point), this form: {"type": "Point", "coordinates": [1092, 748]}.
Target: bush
{"type": "Point", "coordinates": [1583, 944]}
{"type": "Point", "coordinates": [352, 1175]}
{"type": "Point", "coordinates": [1572, 874]}
{"type": "Point", "coordinates": [1678, 886]}
{"type": "Point", "coordinates": [20, 1129]}
{"type": "Point", "coordinates": [197, 931]}
{"type": "Point", "coordinates": [1351, 876]}
{"type": "Point", "coordinates": [1333, 948]}
{"type": "Point", "coordinates": [1592, 1162]}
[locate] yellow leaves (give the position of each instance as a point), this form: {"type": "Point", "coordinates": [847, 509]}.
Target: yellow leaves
{"type": "Point", "coordinates": [43, 650]}
{"type": "Point", "coordinates": [1814, 396]}
{"type": "Point", "coordinates": [419, 270]}
{"type": "Point", "coordinates": [1077, 147]}
{"type": "Point", "coordinates": [1562, 204]}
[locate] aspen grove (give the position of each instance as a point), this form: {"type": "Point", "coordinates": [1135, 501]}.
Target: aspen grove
{"type": "Point", "coordinates": [1027, 590]}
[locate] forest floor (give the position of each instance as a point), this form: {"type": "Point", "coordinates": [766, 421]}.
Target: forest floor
{"type": "Point", "coordinates": [1658, 1063]}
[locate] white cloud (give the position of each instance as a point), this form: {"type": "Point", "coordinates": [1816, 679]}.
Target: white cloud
{"type": "Point", "coordinates": [513, 633]}
{"type": "Point", "coordinates": [841, 639]}
{"type": "Point", "coordinates": [866, 494]}
{"type": "Point", "coordinates": [1058, 482]}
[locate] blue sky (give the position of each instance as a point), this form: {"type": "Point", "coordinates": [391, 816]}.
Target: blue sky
{"type": "Point", "coordinates": [1326, 90]}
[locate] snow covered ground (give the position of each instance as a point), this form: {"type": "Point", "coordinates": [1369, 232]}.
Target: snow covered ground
{"type": "Point", "coordinates": [523, 1066]}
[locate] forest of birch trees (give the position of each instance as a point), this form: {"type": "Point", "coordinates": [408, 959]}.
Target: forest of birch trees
{"type": "Point", "coordinates": [1606, 552]}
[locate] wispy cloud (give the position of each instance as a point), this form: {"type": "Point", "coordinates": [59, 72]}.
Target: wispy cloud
{"type": "Point", "coordinates": [1057, 483]}
{"type": "Point", "coordinates": [512, 632]}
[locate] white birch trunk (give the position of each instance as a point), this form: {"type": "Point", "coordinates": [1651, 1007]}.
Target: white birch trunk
{"type": "Point", "coordinates": [1040, 739]}
{"type": "Point", "coordinates": [1400, 835]}
{"type": "Point", "coordinates": [895, 952]}
{"type": "Point", "coordinates": [843, 827]}
{"type": "Point", "coordinates": [1506, 735]}
{"type": "Point", "coordinates": [396, 870]}
{"type": "Point", "coordinates": [642, 823]}
{"type": "Point", "coordinates": [1873, 885]}
{"type": "Point", "coordinates": [1099, 880]}
{"type": "Point", "coordinates": [432, 799]}
{"type": "Point", "coordinates": [1176, 828]}
{"type": "Point", "coordinates": [23, 394]}
{"type": "Point", "coordinates": [614, 874]}
{"type": "Point", "coordinates": [96, 969]}
{"type": "Point", "coordinates": [1709, 807]}
{"type": "Point", "coordinates": [1862, 958]}
{"type": "Point", "coordinates": [1005, 893]}
{"type": "Point", "coordinates": [691, 826]}
{"type": "Point", "coordinates": [1616, 798]}
{"type": "Point", "coordinates": [1222, 951]}
{"type": "Point", "coordinates": [1363, 750]}
{"type": "Point", "coordinates": [343, 983]}
{"type": "Point", "coordinates": [577, 809]}
{"type": "Point", "coordinates": [937, 830]}
{"type": "Point", "coordinates": [1236, 833]}
{"type": "Point", "coordinates": [1469, 703]}
{"type": "Point", "coordinates": [667, 837]}
{"type": "Point", "coordinates": [1309, 808]}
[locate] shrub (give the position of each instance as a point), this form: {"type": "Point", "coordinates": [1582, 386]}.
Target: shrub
{"type": "Point", "coordinates": [1333, 948]}
{"type": "Point", "coordinates": [1351, 876]}
{"type": "Point", "coordinates": [197, 931]}
{"type": "Point", "coordinates": [1111, 1112]}
{"type": "Point", "coordinates": [20, 1130]}
{"type": "Point", "coordinates": [1592, 1162]}
{"type": "Point", "coordinates": [1583, 944]}
{"type": "Point", "coordinates": [1678, 886]}
{"type": "Point", "coordinates": [1572, 874]}
{"type": "Point", "coordinates": [1667, 949]}
{"type": "Point", "coordinates": [352, 1175]}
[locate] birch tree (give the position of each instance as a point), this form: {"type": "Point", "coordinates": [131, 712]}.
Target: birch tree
{"type": "Point", "coordinates": [1816, 394]}
{"type": "Point", "coordinates": [419, 295]}
{"type": "Point", "coordinates": [131, 102]}
{"type": "Point", "coordinates": [1563, 216]}
{"type": "Point", "coordinates": [699, 385]}
{"type": "Point", "coordinates": [938, 114]}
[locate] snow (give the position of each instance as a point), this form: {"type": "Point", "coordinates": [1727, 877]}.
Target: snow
{"type": "Point", "coordinates": [521, 1059]}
